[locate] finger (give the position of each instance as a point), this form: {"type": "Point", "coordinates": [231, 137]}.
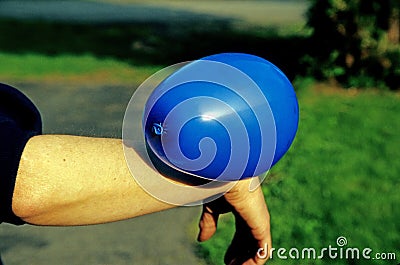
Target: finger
{"type": "Point", "coordinates": [253, 210]}
{"type": "Point", "coordinates": [255, 214]}
{"type": "Point", "coordinates": [209, 217]}
{"type": "Point", "coordinates": [253, 227]}
{"type": "Point", "coordinates": [264, 244]}
{"type": "Point", "coordinates": [208, 224]}
{"type": "Point", "coordinates": [262, 233]}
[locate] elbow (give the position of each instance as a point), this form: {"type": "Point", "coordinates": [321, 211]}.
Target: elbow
{"type": "Point", "coordinates": [29, 205]}
{"type": "Point", "coordinates": [22, 210]}
{"type": "Point", "coordinates": [24, 207]}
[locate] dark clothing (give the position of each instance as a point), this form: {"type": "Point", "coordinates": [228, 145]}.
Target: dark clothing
{"type": "Point", "coordinates": [19, 121]}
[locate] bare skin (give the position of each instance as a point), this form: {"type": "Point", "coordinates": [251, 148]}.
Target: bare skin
{"type": "Point", "coordinates": [71, 180]}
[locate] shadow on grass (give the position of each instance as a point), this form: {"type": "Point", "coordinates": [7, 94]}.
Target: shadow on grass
{"type": "Point", "coordinates": [151, 43]}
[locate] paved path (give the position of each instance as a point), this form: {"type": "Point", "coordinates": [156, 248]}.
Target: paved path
{"type": "Point", "coordinates": [166, 238]}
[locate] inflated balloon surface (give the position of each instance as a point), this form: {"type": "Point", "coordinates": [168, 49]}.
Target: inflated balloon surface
{"type": "Point", "coordinates": [224, 117]}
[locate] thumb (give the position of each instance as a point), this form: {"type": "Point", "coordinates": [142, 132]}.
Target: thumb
{"type": "Point", "coordinates": [208, 224]}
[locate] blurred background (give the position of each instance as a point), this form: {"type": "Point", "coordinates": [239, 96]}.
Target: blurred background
{"type": "Point", "coordinates": [80, 62]}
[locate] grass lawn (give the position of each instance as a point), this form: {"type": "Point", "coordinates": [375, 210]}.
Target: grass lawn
{"type": "Point", "coordinates": [340, 178]}
{"type": "Point", "coordinates": [81, 69]}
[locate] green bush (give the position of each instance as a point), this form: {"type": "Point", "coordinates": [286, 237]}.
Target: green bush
{"type": "Point", "coordinates": [354, 42]}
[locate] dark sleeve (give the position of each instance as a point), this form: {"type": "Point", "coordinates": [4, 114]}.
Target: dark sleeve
{"type": "Point", "coordinates": [19, 121]}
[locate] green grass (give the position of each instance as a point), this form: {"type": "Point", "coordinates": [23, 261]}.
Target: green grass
{"type": "Point", "coordinates": [155, 43]}
{"type": "Point", "coordinates": [340, 178]}
{"type": "Point", "coordinates": [70, 68]}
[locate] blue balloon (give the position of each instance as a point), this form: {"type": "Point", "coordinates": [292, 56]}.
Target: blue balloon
{"type": "Point", "coordinates": [224, 117]}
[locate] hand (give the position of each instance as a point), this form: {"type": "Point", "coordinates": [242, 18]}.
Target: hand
{"type": "Point", "coordinates": [252, 224]}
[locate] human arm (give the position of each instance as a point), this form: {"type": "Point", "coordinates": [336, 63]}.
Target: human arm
{"type": "Point", "coordinates": [73, 180]}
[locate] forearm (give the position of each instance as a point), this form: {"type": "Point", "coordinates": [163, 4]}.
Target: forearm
{"type": "Point", "coordinates": [71, 180]}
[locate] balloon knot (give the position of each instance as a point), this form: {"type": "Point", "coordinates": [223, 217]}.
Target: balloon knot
{"type": "Point", "coordinates": [157, 128]}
